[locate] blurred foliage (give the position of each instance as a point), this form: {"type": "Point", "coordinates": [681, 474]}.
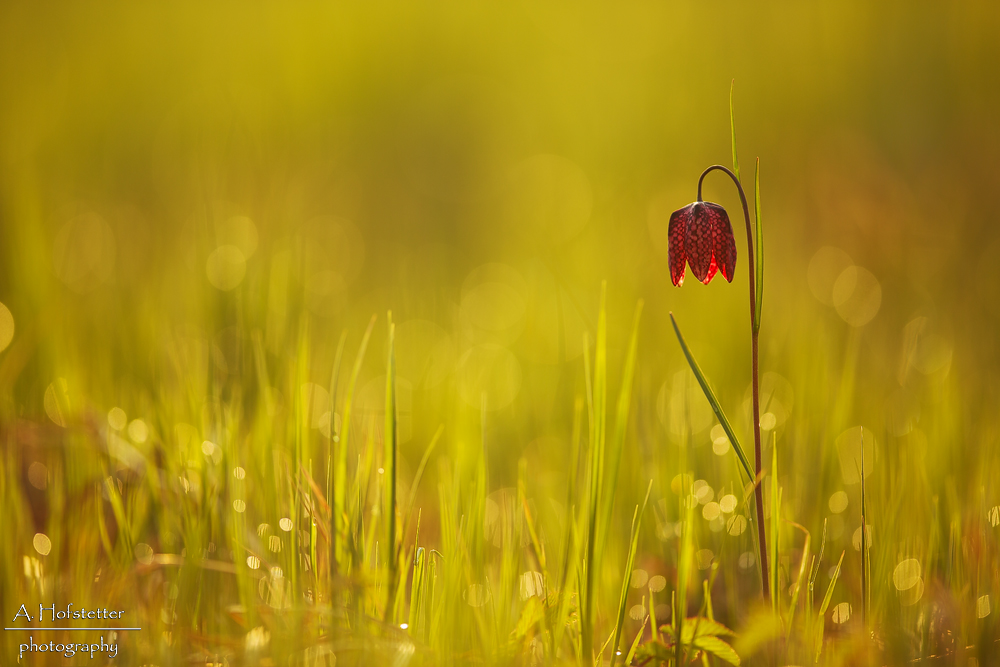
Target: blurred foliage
{"type": "Point", "coordinates": [197, 200]}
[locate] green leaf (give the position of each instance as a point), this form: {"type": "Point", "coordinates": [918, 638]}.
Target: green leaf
{"type": "Point", "coordinates": [654, 652]}
{"type": "Point", "coordinates": [716, 406]}
{"type": "Point", "coordinates": [732, 127]}
{"type": "Point", "coordinates": [700, 626]}
{"type": "Point", "coordinates": [718, 648]}
{"type": "Point", "coordinates": [758, 250]}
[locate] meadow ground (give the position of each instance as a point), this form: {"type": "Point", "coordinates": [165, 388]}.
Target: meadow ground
{"type": "Point", "coordinates": [232, 237]}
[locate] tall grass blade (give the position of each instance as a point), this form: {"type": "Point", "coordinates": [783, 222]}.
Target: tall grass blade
{"type": "Point", "coordinates": [333, 438]}
{"type": "Point", "coordinates": [775, 523]}
{"type": "Point", "coordinates": [411, 499]}
{"type": "Point", "coordinates": [597, 432]}
{"type": "Point", "coordinates": [569, 541]}
{"type": "Point", "coordinates": [865, 551]}
{"type": "Point", "coordinates": [801, 578]}
{"type": "Point", "coordinates": [389, 439]}
{"type": "Point", "coordinates": [732, 129]}
{"type": "Point", "coordinates": [716, 406]}
{"type": "Point", "coordinates": [342, 523]}
{"type": "Point", "coordinates": [629, 562]}
{"type": "Point", "coordinates": [614, 452]}
{"type": "Point", "coordinates": [826, 603]}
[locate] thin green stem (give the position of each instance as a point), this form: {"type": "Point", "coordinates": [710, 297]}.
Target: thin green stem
{"type": "Point", "coordinates": [754, 328]}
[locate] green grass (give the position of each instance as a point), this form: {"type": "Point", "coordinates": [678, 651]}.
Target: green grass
{"type": "Point", "coordinates": [220, 540]}
{"type": "Point", "coordinates": [206, 217]}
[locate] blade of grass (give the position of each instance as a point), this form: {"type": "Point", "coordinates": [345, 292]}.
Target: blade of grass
{"type": "Point", "coordinates": [340, 473]}
{"type": "Point", "coordinates": [801, 576]}
{"type": "Point", "coordinates": [629, 561]}
{"type": "Point", "coordinates": [614, 452]}
{"type": "Point", "coordinates": [419, 475]}
{"type": "Point", "coordinates": [638, 636]}
{"type": "Point", "coordinates": [865, 552]}
{"type": "Point", "coordinates": [389, 438]}
{"type": "Point", "coordinates": [826, 603]}
{"type": "Point", "coordinates": [333, 438]}
{"type": "Point", "coordinates": [598, 403]}
{"type": "Point", "coordinates": [732, 129]}
{"type": "Point", "coordinates": [775, 523]}
{"type": "Point", "coordinates": [716, 406]}
{"type": "Point", "coordinates": [569, 542]}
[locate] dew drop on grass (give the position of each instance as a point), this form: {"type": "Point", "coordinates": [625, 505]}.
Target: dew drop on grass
{"type": "Point", "coordinates": [637, 612]}
{"type": "Point", "coordinates": [144, 553]}
{"type": "Point", "coordinates": [906, 574]}
{"type": "Point", "coordinates": [983, 607]}
{"type": "Point", "coordinates": [253, 562]}
{"type": "Point", "coordinates": [657, 583]}
{"type": "Point", "coordinates": [285, 524]}
{"type": "Point", "coordinates": [711, 511]}
{"type": "Point", "coordinates": [856, 538]}
{"type": "Point", "coordinates": [42, 543]}
{"type": "Point", "coordinates": [532, 584]}
{"type": "Point", "coordinates": [736, 525]}
{"type": "Point", "coordinates": [841, 613]}
{"type": "Point", "coordinates": [727, 503]}
{"type": "Point", "coordinates": [720, 443]}
{"type": "Point", "coordinates": [639, 578]}
{"type": "Point", "coordinates": [239, 472]}
{"type": "Point", "coordinates": [477, 595]}
{"type": "Point", "coordinates": [117, 419]}
{"type": "Point", "coordinates": [226, 267]}
{"type": "Point", "coordinates": [6, 327]}
{"type": "Point", "coordinates": [703, 492]}
{"type": "Point", "coordinates": [56, 401]}
{"type": "Point", "coordinates": [857, 295]}
{"type": "Point", "coordinates": [138, 431]}
{"type": "Point", "coordinates": [38, 475]}
{"type": "Point", "coordinates": [838, 502]}
{"type": "Point", "coordinates": [239, 506]}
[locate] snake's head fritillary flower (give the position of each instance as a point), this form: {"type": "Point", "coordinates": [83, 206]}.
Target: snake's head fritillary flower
{"type": "Point", "coordinates": [700, 235]}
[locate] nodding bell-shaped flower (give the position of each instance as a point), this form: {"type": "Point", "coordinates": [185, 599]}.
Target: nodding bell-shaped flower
{"type": "Point", "coordinates": [701, 235]}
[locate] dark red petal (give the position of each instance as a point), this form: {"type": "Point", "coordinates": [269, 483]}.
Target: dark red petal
{"type": "Point", "coordinates": [724, 250]}
{"type": "Point", "coordinates": [699, 241]}
{"type": "Point", "coordinates": [711, 271]}
{"type": "Point", "coordinates": [680, 220]}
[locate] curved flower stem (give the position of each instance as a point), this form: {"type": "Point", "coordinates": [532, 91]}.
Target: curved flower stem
{"type": "Point", "coordinates": [754, 328]}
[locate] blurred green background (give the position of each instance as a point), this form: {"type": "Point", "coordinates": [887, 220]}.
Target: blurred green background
{"type": "Point", "coordinates": [177, 179]}
{"type": "Point", "coordinates": [482, 169]}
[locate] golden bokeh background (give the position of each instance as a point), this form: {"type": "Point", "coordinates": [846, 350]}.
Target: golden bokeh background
{"type": "Point", "coordinates": [187, 188]}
